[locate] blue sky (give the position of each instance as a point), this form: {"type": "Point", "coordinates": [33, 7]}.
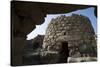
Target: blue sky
{"type": "Point", "coordinates": [41, 29]}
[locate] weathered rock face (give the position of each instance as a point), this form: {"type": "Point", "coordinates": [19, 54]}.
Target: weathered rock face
{"type": "Point", "coordinates": [71, 36]}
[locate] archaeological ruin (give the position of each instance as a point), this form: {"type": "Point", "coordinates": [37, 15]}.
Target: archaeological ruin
{"type": "Point", "coordinates": [67, 39]}
{"type": "Point", "coordinates": [70, 37]}
{"type": "Point", "coordinates": [26, 15]}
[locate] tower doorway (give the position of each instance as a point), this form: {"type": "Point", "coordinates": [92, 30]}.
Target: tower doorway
{"type": "Point", "coordinates": [64, 53]}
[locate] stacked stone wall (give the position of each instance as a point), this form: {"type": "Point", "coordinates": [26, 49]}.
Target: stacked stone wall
{"type": "Point", "coordinates": [76, 30]}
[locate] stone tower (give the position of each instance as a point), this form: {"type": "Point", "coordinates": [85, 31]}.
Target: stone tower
{"type": "Point", "coordinates": [70, 36]}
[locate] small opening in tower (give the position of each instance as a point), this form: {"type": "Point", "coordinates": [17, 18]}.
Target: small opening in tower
{"type": "Point", "coordinates": [64, 53]}
{"type": "Point", "coordinates": [64, 33]}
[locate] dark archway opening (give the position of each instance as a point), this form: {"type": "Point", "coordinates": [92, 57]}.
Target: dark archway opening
{"type": "Point", "coordinates": [64, 53]}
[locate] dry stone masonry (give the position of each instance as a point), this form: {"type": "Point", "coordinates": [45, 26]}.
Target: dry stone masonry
{"type": "Point", "coordinates": [70, 37]}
